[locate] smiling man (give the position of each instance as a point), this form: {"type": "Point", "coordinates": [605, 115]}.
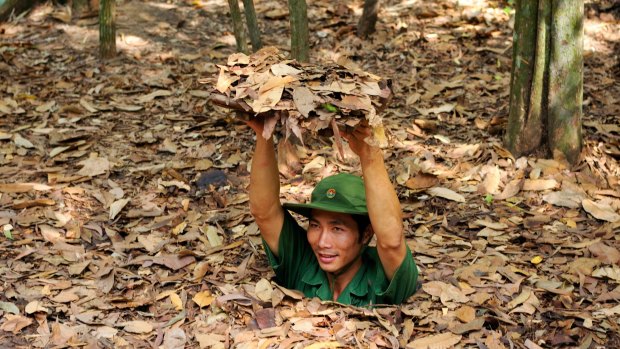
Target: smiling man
{"type": "Point", "coordinates": [331, 260]}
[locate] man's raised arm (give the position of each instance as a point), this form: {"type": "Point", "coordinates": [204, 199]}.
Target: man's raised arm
{"type": "Point", "coordinates": [265, 188]}
{"type": "Point", "coordinates": [384, 208]}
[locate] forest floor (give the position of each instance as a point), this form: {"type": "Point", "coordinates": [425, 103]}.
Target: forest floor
{"type": "Point", "coordinates": [124, 205]}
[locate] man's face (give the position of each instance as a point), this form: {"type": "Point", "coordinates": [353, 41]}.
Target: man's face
{"type": "Point", "coordinates": [334, 238]}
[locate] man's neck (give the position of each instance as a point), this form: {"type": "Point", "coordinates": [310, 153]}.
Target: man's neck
{"type": "Point", "coordinates": [339, 281]}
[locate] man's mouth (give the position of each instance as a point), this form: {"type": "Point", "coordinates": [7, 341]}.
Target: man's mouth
{"type": "Point", "coordinates": [326, 258]}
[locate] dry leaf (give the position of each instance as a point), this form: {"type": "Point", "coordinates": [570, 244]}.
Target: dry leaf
{"type": "Point", "coordinates": [116, 207]}
{"type": "Point", "coordinates": [531, 345]}
{"type": "Point", "coordinates": [445, 292]}
{"type": "Point", "coordinates": [176, 301]}
{"type": "Point", "coordinates": [446, 108]}
{"type": "Point", "coordinates": [490, 184]}
{"type": "Point", "coordinates": [65, 297]}
{"type": "Point", "coordinates": [61, 334]}
{"type": "Point", "coordinates": [606, 312]}
{"type": "Point", "coordinates": [511, 189]}
{"type": "Point", "coordinates": [174, 262]}
{"type": "Point", "coordinates": [203, 298]}
{"type": "Point", "coordinates": [23, 187]}
{"type": "Point", "coordinates": [317, 163]}
{"type": "Point", "coordinates": [94, 166]}
{"type": "Point", "coordinates": [174, 338]}
{"type": "Point", "coordinates": [473, 325]}
{"type": "Point", "coordinates": [564, 198]}
{"type": "Point", "coordinates": [214, 238]}
{"type": "Point", "coordinates": [536, 260]}
{"type": "Point", "coordinates": [51, 234]}
{"type": "Point", "coordinates": [22, 142]}
{"type": "Point", "coordinates": [539, 184]}
{"type": "Point", "coordinates": [281, 69]}
{"type": "Point", "coordinates": [439, 341]}
{"type": "Point", "coordinates": [15, 323]}
{"type": "Point", "coordinates": [224, 80]}
{"type": "Point", "coordinates": [600, 211]}
{"type": "Point", "coordinates": [9, 307]}
{"type": "Point", "coordinates": [263, 290]}
{"type": "Point", "coordinates": [138, 326]}
{"type": "Point", "coordinates": [88, 105]}
{"type": "Point", "coordinates": [324, 345]}
{"type": "Point", "coordinates": [305, 100]}
{"type": "Point", "coordinates": [45, 107]}
{"type": "Point", "coordinates": [276, 82]}
{"type": "Point", "coordinates": [153, 95]}
{"type": "Point", "coordinates": [446, 194]}
{"type": "Point", "coordinates": [466, 313]}
{"type": "Point", "coordinates": [520, 299]}
{"type": "Point", "coordinates": [583, 266]}
{"type": "Point", "coordinates": [210, 340]}
{"type": "Point", "coordinates": [612, 272]}
{"type": "Point", "coordinates": [605, 253]}
{"type": "Point", "coordinates": [35, 306]}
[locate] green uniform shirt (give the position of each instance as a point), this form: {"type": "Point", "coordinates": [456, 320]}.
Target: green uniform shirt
{"type": "Point", "coordinates": [296, 267]}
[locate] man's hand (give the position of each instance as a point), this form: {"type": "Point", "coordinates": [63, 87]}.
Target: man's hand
{"type": "Point", "coordinates": [357, 141]}
{"type": "Point", "coordinates": [256, 124]}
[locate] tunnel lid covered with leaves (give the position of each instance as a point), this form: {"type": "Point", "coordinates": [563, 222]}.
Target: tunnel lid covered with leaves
{"type": "Point", "coordinates": [303, 97]}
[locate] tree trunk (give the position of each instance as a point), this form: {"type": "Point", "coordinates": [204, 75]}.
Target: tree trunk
{"type": "Point", "coordinates": [250, 18]}
{"type": "Point", "coordinates": [366, 25]}
{"type": "Point", "coordinates": [545, 108]}
{"type": "Point", "coordinates": [566, 79]}
{"type": "Point", "coordinates": [235, 14]}
{"type": "Point", "coordinates": [524, 133]}
{"type": "Point", "coordinates": [14, 6]}
{"type": "Point", "coordinates": [298, 14]}
{"type": "Point", "coordinates": [107, 29]}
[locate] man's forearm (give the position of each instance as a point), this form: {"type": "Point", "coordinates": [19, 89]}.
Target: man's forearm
{"type": "Point", "coordinates": [383, 205]}
{"type": "Point", "coordinates": [264, 178]}
{"type": "Point", "coordinates": [384, 211]}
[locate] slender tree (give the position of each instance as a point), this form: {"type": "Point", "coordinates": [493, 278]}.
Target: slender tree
{"type": "Point", "coordinates": [250, 19]}
{"type": "Point", "coordinates": [546, 87]}
{"type": "Point", "coordinates": [298, 14]}
{"type": "Point", "coordinates": [235, 15]}
{"type": "Point", "coordinates": [107, 29]}
{"type": "Point", "coordinates": [366, 25]}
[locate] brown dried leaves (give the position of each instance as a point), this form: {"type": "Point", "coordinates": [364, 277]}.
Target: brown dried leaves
{"type": "Point", "coordinates": [310, 95]}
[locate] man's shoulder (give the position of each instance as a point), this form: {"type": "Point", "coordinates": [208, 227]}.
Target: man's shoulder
{"type": "Point", "coordinates": [373, 264]}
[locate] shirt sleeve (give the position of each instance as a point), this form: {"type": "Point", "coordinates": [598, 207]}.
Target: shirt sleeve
{"type": "Point", "coordinates": [294, 253]}
{"type": "Point", "coordinates": [403, 283]}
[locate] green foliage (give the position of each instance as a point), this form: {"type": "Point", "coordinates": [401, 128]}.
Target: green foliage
{"type": "Point", "coordinates": [509, 6]}
{"type": "Point", "coordinates": [8, 231]}
{"type": "Point", "coordinates": [488, 199]}
{"type": "Point", "coordinates": [330, 108]}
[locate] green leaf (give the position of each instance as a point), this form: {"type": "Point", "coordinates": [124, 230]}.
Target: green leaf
{"type": "Point", "coordinates": [488, 199]}
{"type": "Point", "coordinates": [8, 231]}
{"type": "Point", "coordinates": [330, 108]}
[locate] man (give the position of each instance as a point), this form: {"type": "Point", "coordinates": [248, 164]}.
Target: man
{"type": "Point", "coordinates": [331, 260]}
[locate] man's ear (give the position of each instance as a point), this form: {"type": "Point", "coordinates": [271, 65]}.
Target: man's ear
{"type": "Point", "coordinates": [368, 233]}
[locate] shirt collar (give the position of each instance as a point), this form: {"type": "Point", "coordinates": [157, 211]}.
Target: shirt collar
{"type": "Point", "coordinates": [358, 286]}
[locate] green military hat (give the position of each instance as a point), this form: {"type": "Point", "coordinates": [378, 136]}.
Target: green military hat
{"type": "Point", "coordinates": [343, 193]}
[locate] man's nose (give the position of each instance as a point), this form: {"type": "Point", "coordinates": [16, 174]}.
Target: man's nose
{"type": "Point", "coordinates": [325, 239]}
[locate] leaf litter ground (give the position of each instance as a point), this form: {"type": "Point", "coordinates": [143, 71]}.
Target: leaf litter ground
{"type": "Point", "coordinates": [123, 195]}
